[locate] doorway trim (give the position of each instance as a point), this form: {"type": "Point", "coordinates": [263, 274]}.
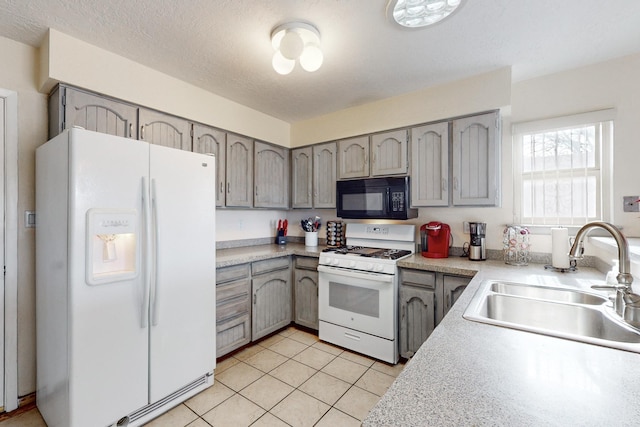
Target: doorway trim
{"type": "Point", "coordinates": [11, 250]}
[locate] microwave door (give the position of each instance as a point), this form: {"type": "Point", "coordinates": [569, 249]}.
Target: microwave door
{"type": "Point", "coordinates": [363, 203]}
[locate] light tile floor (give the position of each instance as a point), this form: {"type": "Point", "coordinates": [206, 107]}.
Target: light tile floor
{"type": "Point", "coordinates": [288, 379]}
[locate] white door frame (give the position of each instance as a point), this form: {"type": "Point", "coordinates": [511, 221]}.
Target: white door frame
{"type": "Point", "coordinates": [11, 250]}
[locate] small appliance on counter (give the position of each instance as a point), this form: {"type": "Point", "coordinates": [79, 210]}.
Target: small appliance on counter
{"type": "Point", "coordinates": [434, 239]}
{"type": "Point", "coordinates": [477, 248]}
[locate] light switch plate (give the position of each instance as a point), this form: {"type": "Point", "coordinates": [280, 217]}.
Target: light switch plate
{"type": "Point", "coordinates": [630, 204]}
{"type": "Point", "coordinates": [465, 227]}
{"type": "Point", "coordinates": [29, 219]}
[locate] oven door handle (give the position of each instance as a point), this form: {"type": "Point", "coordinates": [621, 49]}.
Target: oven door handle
{"type": "Point", "coordinates": [386, 278]}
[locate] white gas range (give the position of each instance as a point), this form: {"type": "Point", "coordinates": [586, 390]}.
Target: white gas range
{"type": "Point", "coordinates": [358, 289]}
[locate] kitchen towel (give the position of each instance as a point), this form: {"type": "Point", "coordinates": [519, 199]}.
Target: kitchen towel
{"type": "Point", "coordinates": [560, 247]}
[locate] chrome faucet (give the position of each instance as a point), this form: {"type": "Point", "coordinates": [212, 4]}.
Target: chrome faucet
{"type": "Point", "coordinates": [625, 298]}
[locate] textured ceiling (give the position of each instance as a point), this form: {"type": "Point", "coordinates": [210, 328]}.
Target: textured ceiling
{"type": "Point", "coordinates": [223, 45]}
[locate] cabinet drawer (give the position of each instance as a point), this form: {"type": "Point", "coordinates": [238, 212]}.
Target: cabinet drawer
{"type": "Point", "coordinates": [232, 290]}
{"type": "Point", "coordinates": [418, 278]}
{"type": "Point", "coordinates": [235, 272]}
{"type": "Point", "coordinates": [261, 267]}
{"type": "Point", "coordinates": [307, 263]}
{"type": "Point", "coordinates": [233, 308]}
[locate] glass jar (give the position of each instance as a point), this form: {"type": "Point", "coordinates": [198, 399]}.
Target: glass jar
{"type": "Point", "coordinates": [516, 245]}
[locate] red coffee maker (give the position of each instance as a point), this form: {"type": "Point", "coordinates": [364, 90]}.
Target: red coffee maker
{"type": "Point", "coordinates": [434, 238]}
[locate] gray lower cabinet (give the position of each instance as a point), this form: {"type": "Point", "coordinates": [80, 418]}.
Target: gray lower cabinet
{"type": "Point", "coordinates": [233, 308]}
{"type": "Point", "coordinates": [452, 287]}
{"type": "Point", "coordinates": [417, 309]}
{"type": "Point", "coordinates": [424, 298]}
{"type": "Point", "coordinates": [271, 292]}
{"type": "Point", "coordinates": [305, 290]}
{"type": "Point", "coordinates": [69, 107]}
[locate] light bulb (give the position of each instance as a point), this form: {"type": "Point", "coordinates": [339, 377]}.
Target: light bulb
{"type": "Point", "coordinates": [281, 64]}
{"type": "Point", "coordinates": [311, 58]}
{"type": "Point", "coordinates": [291, 45]}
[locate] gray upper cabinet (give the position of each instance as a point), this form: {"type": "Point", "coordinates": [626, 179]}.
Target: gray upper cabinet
{"type": "Point", "coordinates": [209, 140]}
{"type": "Point", "coordinates": [164, 129]}
{"type": "Point", "coordinates": [476, 160]}
{"type": "Point", "coordinates": [313, 176]}
{"type": "Point", "coordinates": [353, 158]}
{"type": "Point", "coordinates": [430, 165]}
{"type": "Point", "coordinates": [302, 177]}
{"type": "Point", "coordinates": [271, 163]}
{"type": "Point", "coordinates": [389, 153]}
{"type": "Point", "coordinates": [69, 107]}
{"type": "Point", "coordinates": [324, 175]}
{"type": "Point", "coordinates": [239, 179]}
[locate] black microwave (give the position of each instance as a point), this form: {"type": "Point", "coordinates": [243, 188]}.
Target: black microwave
{"type": "Point", "coordinates": [375, 198]}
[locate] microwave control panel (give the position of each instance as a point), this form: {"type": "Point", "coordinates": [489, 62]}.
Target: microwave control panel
{"type": "Point", "coordinates": [397, 201]}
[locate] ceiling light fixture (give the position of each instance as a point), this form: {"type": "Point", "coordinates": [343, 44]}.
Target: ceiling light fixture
{"type": "Point", "coordinates": [420, 13]}
{"type": "Point", "coordinates": [296, 40]}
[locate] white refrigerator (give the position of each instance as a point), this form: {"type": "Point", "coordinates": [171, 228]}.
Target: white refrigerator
{"type": "Point", "coordinates": [125, 278]}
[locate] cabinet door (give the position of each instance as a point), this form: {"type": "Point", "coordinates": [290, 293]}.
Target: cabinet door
{"type": "Point", "coordinates": [301, 177]}
{"type": "Point", "coordinates": [239, 171]}
{"type": "Point", "coordinates": [164, 129]}
{"type": "Point", "coordinates": [417, 317]}
{"type": "Point", "coordinates": [430, 165]}
{"type": "Point", "coordinates": [271, 176]}
{"type": "Point", "coordinates": [452, 288]}
{"type": "Point", "coordinates": [389, 153]}
{"type": "Point", "coordinates": [324, 175]}
{"type": "Point", "coordinates": [353, 158]}
{"type": "Point", "coordinates": [271, 302]}
{"type": "Point", "coordinates": [96, 113]}
{"type": "Point", "coordinates": [476, 160]}
{"type": "Point", "coordinates": [209, 140]}
{"type": "Point", "coordinates": [306, 298]}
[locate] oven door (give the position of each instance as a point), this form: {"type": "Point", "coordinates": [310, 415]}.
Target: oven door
{"type": "Point", "coordinates": [358, 300]}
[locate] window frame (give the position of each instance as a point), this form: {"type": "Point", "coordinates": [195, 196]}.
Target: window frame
{"type": "Point", "coordinates": [604, 121]}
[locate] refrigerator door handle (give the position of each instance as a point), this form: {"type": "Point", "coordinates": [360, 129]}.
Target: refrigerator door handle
{"type": "Point", "coordinates": [154, 256]}
{"type": "Point", "coordinates": [145, 263]}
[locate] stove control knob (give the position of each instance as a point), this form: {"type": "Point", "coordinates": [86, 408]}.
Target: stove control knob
{"type": "Point", "coordinates": [352, 264]}
{"type": "Point", "coordinates": [335, 261]}
{"type": "Point", "coordinates": [369, 266]}
{"type": "Point", "coordinates": [379, 267]}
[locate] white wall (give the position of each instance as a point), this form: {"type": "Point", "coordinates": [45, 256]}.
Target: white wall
{"type": "Point", "coordinates": [18, 73]}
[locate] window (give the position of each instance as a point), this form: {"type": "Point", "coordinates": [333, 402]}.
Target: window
{"type": "Point", "coordinates": [561, 169]}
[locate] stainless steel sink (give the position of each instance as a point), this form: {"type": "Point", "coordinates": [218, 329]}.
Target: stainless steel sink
{"type": "Point", "coordinates": [560, 312]}
{"type": "Point", "coordinates": [547, 293]}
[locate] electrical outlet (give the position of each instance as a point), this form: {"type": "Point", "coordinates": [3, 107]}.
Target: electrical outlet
{"type": "Point", "coordinates": [631, 204]}
{"type": "Point", "coordinates": [465, 227]}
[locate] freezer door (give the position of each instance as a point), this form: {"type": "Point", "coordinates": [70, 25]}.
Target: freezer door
{"type": "Point", "coordinates": [182, 297]}
{"type": "Point", "coordinates": [108, 338]}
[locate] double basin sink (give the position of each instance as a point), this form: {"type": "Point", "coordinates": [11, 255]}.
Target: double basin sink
{"type": "Point", "coordinates": [560, 312]}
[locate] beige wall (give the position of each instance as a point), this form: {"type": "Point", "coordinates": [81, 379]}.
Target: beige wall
{"type": "Point", "coordinates": [18, 74]}
{"type": "Point", "coordinates": [69, 60]}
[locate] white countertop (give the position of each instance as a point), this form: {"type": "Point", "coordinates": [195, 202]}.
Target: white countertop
{"type": "Point", "coordinates": [468, 373]}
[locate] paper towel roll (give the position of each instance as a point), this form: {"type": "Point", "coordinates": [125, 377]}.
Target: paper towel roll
{"type": "Point", "coordinates": [560, 247]}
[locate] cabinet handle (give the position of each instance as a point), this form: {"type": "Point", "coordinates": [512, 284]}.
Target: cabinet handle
{"type": "Point", "coordinates": [254, 299]}
{"type": "Point", "coordinates": [142, 132]}
{"type": "Point", "coordinates": [403, 311]}
{"type": "Point", "coordinates": [130, 129]}
{"type": "Point", "coordinates": [444, 185]}
{"type": "Point", "coordinates": [221, 187]}
{"type": "Point", "coordinates": [228, 187]}
{"type": "Point", "coordinates": [455, 183]}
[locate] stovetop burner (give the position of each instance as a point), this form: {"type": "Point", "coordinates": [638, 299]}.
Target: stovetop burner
{"type": "Point", "coordinates": [380, 253]}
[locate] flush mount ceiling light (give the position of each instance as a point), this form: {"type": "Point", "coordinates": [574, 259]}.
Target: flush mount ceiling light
{"type": "Point", "coordinates": [420, 13]}
{"type": "Point", "coordinates": [296, 40]}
